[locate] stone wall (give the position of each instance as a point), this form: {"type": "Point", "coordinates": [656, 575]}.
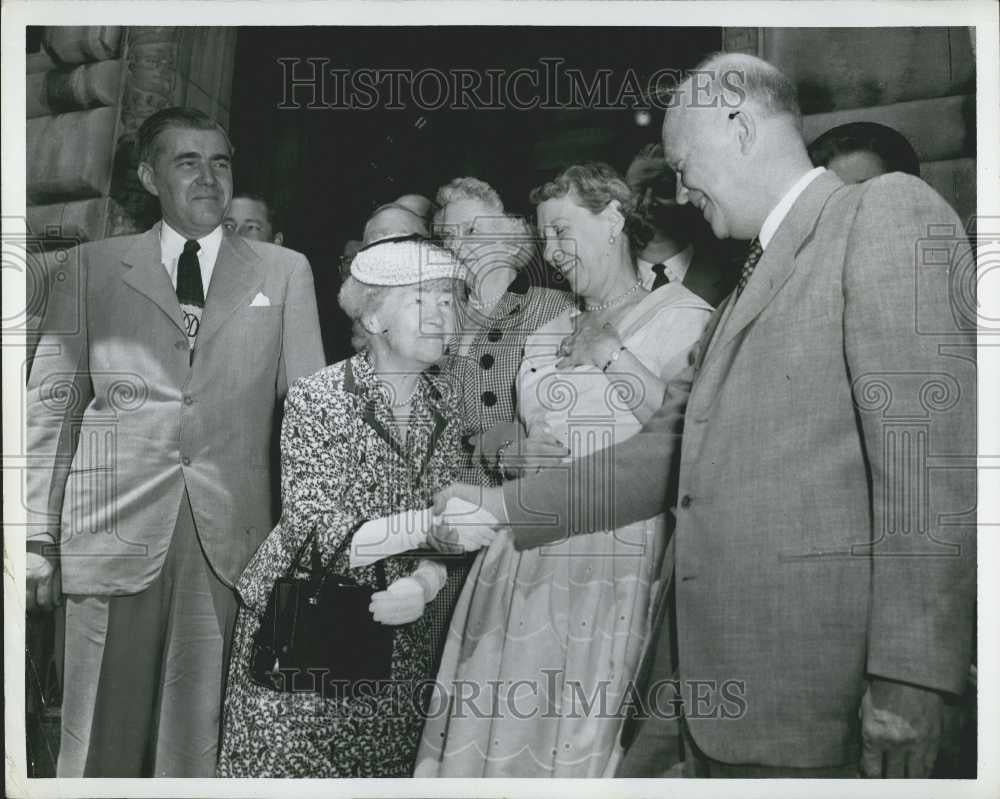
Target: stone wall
{"type": "Point", "coordinates": [88, 91]}
{"type": "Point", "coordinates": [920, 81]}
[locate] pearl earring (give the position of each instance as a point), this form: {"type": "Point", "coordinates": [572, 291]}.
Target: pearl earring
{"type": "Point", "coordinates": [612, 239]}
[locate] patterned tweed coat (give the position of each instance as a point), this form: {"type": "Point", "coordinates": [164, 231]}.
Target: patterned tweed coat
{"type": "Point", "coordinates": [342, 463]}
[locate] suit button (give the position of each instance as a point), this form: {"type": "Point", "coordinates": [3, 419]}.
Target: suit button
{"type": "Point", "coordinates": [686, 501]}
{"type": "Point", "coordinates": [180, 345]}
{"type": "Point", "coordinates": [188, 399]}
{"type": "Point", "coordinates": [186, 460]}
{"type": "Point", "coordinates": [489, 399]}
{"type": "Point", "coordinates": [486, 361]}
{"type": "Point", "coordinates": [495, 334]}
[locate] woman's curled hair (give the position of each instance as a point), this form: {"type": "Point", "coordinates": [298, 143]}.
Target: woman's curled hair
{"type": "Point", "coordinates": [593, 185]}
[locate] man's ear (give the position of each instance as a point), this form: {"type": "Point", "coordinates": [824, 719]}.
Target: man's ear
{"type": "Point", "coordinates": [145, 172]}
{"type": "Point", "coordinates": [370, 323]}
{"type": "Point", "coordinates": [746, 130]}
{"type": "Point", "coordinates": [279, 239]}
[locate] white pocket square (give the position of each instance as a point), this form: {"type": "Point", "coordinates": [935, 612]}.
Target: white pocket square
{"type": "Point", "coordinates": [260, 301]}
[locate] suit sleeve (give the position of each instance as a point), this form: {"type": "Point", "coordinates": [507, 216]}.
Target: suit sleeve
{"type": "Point", "coordinates": [302, 344]}
{"type": "Point", "coordinates": [316, 474]}
{"type": "Point", "coordinates": [59, 390]}
{"type": "Point", "coordinates": [636, 478]}
{"type": "Point", "coordinates": [896, 309]}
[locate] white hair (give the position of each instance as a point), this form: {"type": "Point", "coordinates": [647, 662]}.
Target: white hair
{"type": "Point", "coordinates": [469, 189]}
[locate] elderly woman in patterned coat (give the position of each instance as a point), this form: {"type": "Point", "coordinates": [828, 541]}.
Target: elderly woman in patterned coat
{"type": "Point", "coordinates": [362, 439]}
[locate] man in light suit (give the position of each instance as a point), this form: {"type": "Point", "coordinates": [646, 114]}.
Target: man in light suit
{"type": "Point", "coordinates": [824, 572]}
{"type": "Point", "coordinates": [163, 359]}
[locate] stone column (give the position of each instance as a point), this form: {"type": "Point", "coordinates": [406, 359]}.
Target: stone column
{"type": "Point", "coordinates": [165, 66]}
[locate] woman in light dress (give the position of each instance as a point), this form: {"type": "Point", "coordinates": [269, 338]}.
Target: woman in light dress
{"type": "Point", "coordinates": [544, 643]}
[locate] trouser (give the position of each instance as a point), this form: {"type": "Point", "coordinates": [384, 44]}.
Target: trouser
{"type": "Point", "coordinates": [144, 673]}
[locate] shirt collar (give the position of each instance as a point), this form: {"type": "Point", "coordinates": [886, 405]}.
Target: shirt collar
{"type": "Point", "coordinates": [780, 211]}
{"type": "Point", "coordinates": [675, 267]}
{"type": "Point", "coordinates": [172, 244]}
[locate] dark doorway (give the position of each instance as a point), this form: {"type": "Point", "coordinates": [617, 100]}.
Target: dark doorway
{"type": "Point", "coordinates": [327, 167]}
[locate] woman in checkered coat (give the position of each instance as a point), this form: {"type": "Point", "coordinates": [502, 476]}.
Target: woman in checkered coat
{"type": "Point", "coordinates": [506, 304]}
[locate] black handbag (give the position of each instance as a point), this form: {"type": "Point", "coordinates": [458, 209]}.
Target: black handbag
{"type": "Point", "coordinates": [317, 633]}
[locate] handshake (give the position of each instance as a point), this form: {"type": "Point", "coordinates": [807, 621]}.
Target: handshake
{"type": "Point", "coordinates": [465, 518]}
{"type": "Point", "coordinates": [459, 522]}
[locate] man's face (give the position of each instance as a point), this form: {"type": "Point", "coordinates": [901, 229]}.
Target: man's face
{"type": "Point", "coordinates": [191, 174]}
{"type": "Point", "coordinates": [249, 219]}
{"type": "Point", "coordinates": [857, 167]}
{"type": "Point", "coordinates": [702, 151]}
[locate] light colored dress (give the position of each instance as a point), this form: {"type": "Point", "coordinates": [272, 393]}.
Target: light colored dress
{"type": "Point", "coordinates": [535, 676]}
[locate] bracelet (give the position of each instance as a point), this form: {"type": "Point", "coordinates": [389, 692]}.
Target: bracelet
{"type": "Point", "coordinates": [614, 357]}
{"type": "Point", "coordinates": [500, 467]}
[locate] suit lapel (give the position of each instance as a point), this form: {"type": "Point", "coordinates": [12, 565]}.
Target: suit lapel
{"type": "Point", "coordinates": [145, 274]}
{"type": "Point", "coordinates": [714, 323]}
{"type": "Point", "coordinates": [778, 261]}
{"type": "Point", "coordinates": [236, 278]}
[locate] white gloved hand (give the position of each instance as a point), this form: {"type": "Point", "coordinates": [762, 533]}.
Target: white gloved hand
{"type": "Point", "coordinates": [463, 527]}
{"type": "Point", "coordinates": [401, 603]}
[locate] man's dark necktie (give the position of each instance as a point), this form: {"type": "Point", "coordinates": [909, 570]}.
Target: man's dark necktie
{"type": "Point", "coordinates": [748, 266]}
{"type": "Point", "coordinates": [660, 270]}
{"type": "Point", "coordinates": [189, 288]}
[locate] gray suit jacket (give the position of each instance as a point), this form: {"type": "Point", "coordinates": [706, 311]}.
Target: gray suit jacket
{"type": "Point", "coordinates": [120, 420]}
{"type": "Point", "coordinates": [827, 487]}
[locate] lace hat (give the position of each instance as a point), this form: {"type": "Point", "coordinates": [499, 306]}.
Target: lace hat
{"type": "Point", "coordinates": [404, 261]}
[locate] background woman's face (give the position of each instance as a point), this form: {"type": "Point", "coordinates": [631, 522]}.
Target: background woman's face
{"type": "Point", "coordinates": [479, 235]}
{"type": "Point", "coordinates": [462, 219]}
{"type": "Point", "coordinates": [419, 320]}
{"type": "Point", "coordinates": [576, 241]}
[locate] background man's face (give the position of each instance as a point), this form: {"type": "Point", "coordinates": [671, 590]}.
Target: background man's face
{"type": "Point", "coordinates": [393, 222]}
{"type": "Point", "coordinates": [192, 177]}
{"type": "Point", "coordinates": [249, 219]}
{"type": "Point", "coordinates": [857, 167]}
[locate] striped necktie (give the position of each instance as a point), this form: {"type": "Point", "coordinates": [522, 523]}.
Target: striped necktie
{"type": "Point", "coordinates": [748, 266]}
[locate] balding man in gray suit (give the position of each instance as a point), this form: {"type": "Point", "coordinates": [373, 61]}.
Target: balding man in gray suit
{"type": "Point", "coordinates": [824, 572]}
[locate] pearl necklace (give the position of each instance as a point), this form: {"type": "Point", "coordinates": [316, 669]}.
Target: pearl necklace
{"type": "Point", "coordinates": [615, 300]}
